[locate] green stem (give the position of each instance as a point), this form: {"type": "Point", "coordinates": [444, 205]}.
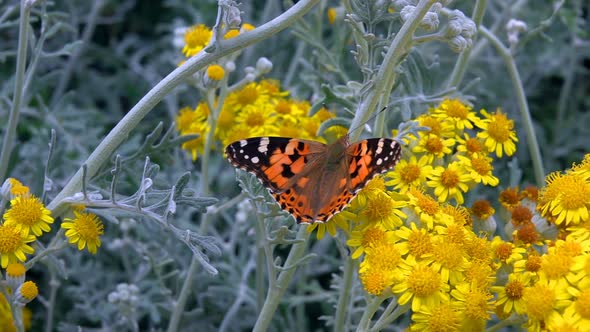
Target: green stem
{"type": "Point", "coordinates": [370, 311]}
{"type": "Point", "coordinates": [275, 293]}
{"type": "Point", "coordinates": [54, 285]}
{"type": "Point", "coordinates": [522, 104]}
{"type": "Point", "coordinates": [385, 78]}
{"type": "Point", "coordinates": [463, 60]}
{"type": "Point", "coordinates": [21, 61]}
{"type": "Point", "coordinates": [344, 297]}
{"type": "Point", "coordinates": [121, 131]}
{"type": "Point", "coordinates": [183, 296]}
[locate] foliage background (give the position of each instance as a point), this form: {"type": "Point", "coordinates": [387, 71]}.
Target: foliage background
{"type": "Point", "coordinates": [82, 90]}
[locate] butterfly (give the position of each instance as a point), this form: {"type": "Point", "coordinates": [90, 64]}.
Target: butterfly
{"type": "Point", "coordinates": [311, 180]}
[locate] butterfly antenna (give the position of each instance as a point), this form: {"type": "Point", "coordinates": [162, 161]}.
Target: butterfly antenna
{"type": "Point", "coordinates": [373, 117]}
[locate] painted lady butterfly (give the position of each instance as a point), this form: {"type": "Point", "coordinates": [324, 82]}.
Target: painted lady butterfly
{"type": "Point", "coordinates": [311, 180]}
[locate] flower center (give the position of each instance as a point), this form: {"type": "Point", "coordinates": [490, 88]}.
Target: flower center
{"type": "Point", "coordinates": [500, 127]}
{"type": "Point", "coordinates": [424, 281]}
{"type": "Point", "coordinates": [481, 166]}
{"type": "Point", "coordinates": [88, 226]}
{"type": "Point", "coordinates": [410, 173]}
{"type": "Point", "coordinates": [539, 301]}
{"type": "Point", "coordinates": [457, 110]}
{"type": "Point", "coordinates": [574, 192]}
{"type": "Point", "coordinates": [473, 145]}
{"type": "Point", "coordinates": [419, 243]}
{"type": "Point", "coordinates": [514, 290]}
{"type": "Point", "coordinates": [10, 239]}
{"type": "Point", "coordinates": [248, 95]}
{"type": "Point", "coordinates": [449, 178]}
{"type": "Point", "coordinates": [26, 211]}
{"type": "Point", "coordinates": [372, 236]}
{"type": "Point", "coordinates": [434, 145]}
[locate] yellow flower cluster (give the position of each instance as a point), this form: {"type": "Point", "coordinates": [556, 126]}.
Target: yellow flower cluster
{"type": "Point", "coordinates": [257, 109]}
{"type": "Point", "coordinates": [456, 280]}
{"type": "Point", "coordinates": [197, 37]}
{"type": "Point", "coordinates": [414, 242]}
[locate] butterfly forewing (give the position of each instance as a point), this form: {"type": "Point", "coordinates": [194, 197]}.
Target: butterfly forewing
{"type": "Point", "coordinates": [369, 158]}
{"type": "Point", "coordinates": [276, 161]}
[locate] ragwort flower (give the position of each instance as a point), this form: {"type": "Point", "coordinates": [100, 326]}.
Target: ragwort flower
{"type": "Point", "coordinates": [85, 230]}
{"type": "Point", "coordinates": [498, 133]}
{"type": "Point", "coordinates": [27, 214]}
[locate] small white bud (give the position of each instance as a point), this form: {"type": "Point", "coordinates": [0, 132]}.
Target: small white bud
{"type": "Point", "coordinates": [250, 77]}
{"type": "Point", "coordinates": [263, 65]}
{"type": "Point", "coordinates": [230, 66]}
{"type": "Point", "coordinates": [430, 21]}
{"type": "Point", "coordinates": [458, 44]}
{"type": "Point", "coordinates": [407, 12]}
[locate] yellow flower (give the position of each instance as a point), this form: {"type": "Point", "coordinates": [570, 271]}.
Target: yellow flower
{"type": "Point", "coordinates": [422, 285]}
{"type": "Point", "coordinates": [409, 174]}
{"type": "Point", "coordinates": [426, 208]}
{"type": "Point", "coordinates": [542, 302]}
{"type": "Point", "coordinates": [215, 72]}
{"type": "Point", "coordinates": [27, 292]}
{"type": "Point", "coordinates": [196, 146]}
{"type": "Point", "coordinates": [509, 198]}
{"type": "Point", "coordinates": [382, 208]}
{"type": "Point", "coordinates": [13, 245]}
{"type": "Point", "coordinates": [434, 147]}
{"type": "Point", "coordinates": [583, 168]}
{"type": "Point", "coordinates": [458, 113]}
{"type": "Point", "coordinates": [186, 116]}
{"type": "Point", "coordinates": [366, 236]}
{"type": "Point", "coordinates": [339, 220]}
{"type": "Point", "coordinates": [375, 281]}
{"type": "Point", "coordinates": [85, 229]}
{"type": "Point", "coordinates": [475, 303]}
{"type": "Point", "coordinates": [507, 252]}
{"type": "Point", "coordinates": [567, 198]}
{"type": "Point", "coordinates": [414, 241]}
{"type": "Point", "coordinates": [498, 133]}
{"type": "Point", "coordinates": [449, 261]}
{"type": "Point", "coordinates": [231, 34]}
{"type": "Point", "coordinates": [480, 168]}
{"type": "Point", "coordinates": [482, 209]}
{"type": "Point", "coordinates": [17, 188]}
{"type": "Point", "coordinates": [196, 38]}
{"type": "Point", "coordinates": [437, 126]}
{"type": "Point", "coordinates": [332, 14]}
{"type": "Point", "coordinates": [442, 317]}
{"type": "Point", "coordinates": [471, 145]}
{"type": "Point", "coordinates": [510, 296]}
{"type": "Point", "coordinates": [27, 214]}
{"type": "Point", "coordinates": [450, 182]}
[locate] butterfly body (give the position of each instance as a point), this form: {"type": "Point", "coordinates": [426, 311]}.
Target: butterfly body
{"type": "Point", "coordinates": [311, 180]}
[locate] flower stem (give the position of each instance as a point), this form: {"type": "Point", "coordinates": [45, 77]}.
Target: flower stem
{"type": "Point", "coordinates": [344, 297]}
{"type": "Point", "coordinates": [463, 60]}
{"type": "Point", "coordinates": [275, 293]}
{"type": "Point", "coordinates": [370, 310]}
{"type": "Point", "coordinates": [522, 104]}
{"type": "Point", "coordinates": [385, 78]}
{"type": "Point", "coordinates": [21, 61]}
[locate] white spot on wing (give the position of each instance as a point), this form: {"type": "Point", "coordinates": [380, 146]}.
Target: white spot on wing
{"type": "Point", "coordinates": [379, 147]}
{"type": "Point", "coordinates": [243, 143]}
{"type": "Point", "coordinates": [263, 147]}
{"type": "Point", "coordinates": [379, 161]}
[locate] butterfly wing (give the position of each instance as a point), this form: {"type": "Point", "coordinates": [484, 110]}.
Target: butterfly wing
{"type": "Point", "coordinates": [369, 158]}
{"type": "Point", "coordinates": [277, 161]}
